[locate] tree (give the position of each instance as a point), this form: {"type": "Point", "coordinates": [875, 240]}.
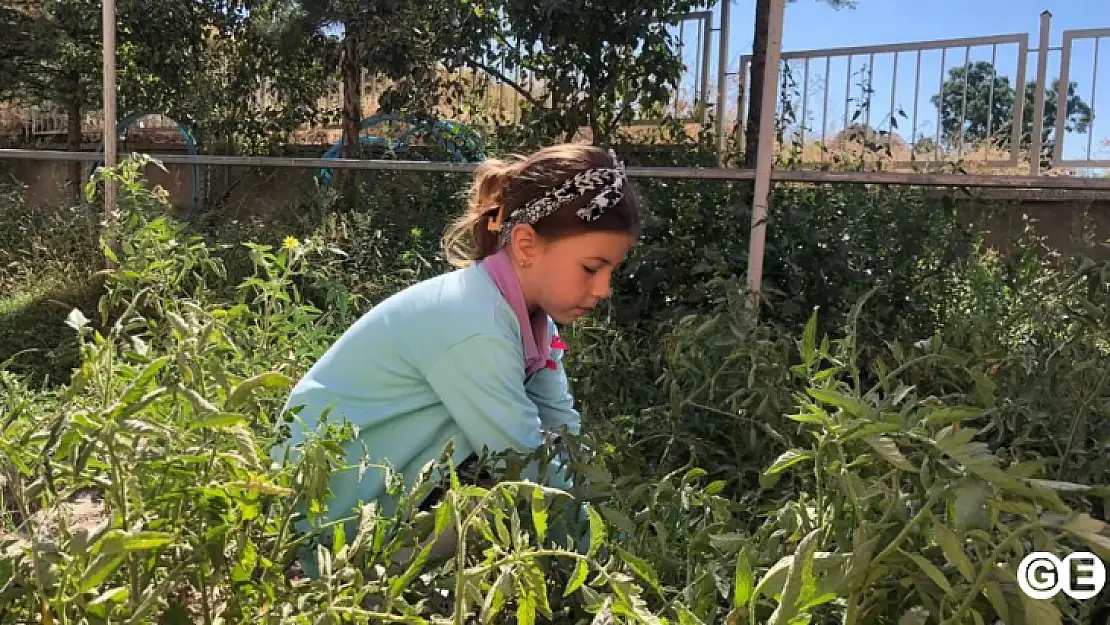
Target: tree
{"type": "Point", "coordinates": [252, 48]}
{"type": "Point", "coordinates": [56, 56]}
{"type": "Point", "coordinates": [19, 46]}
{"type": "Point", "coordinates": [599, 62]}
{"type": "Point", "coordinates": [759, 69]}
{"type": "Point", "coordinates": [988, 114]}
{"type": "Point", "coordinates": [402, 41]}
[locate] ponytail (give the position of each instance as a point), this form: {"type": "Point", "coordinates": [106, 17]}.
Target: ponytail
{"type": "Point", "coordinates": [469, 239]}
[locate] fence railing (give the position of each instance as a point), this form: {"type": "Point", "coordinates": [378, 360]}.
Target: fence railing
{"type": "Point", "coordinates": [951, 122]}
{"type": "Point", "coordinates": [984, 109]}
{"type": "Point", "coordinates": [1070, 37]}
{"type": "Point", "coordinates": [38, 122]}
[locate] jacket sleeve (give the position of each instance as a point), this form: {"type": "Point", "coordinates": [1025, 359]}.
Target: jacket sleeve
{"type": "Point", "coordinates": [481, 384]}
{"type": "Point", "coordinates": [549, 389]}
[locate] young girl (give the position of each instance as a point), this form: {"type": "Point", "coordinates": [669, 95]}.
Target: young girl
{"type": "Point", "coordinates": [474, 355]}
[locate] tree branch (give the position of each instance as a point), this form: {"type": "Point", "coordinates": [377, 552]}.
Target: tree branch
{"type": "Point", "coordinates": [492, 71]}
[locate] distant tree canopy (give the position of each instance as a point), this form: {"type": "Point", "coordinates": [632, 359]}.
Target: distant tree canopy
{"type": "Point", "coordinates": [206, 63]}
{"type": "Point", "coordinates": [989, 114]}
{"type": "Point", "coordinates": [600, 61]}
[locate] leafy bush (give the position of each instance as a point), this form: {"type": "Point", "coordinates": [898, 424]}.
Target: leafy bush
{"type": "Point", "coordinates": [731, 471]}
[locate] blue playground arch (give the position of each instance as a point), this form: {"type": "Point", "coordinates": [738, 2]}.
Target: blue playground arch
{"type": "Point", "coordinates": [455, 137]}
{"type": "Point", "coordinates": [190, 147]}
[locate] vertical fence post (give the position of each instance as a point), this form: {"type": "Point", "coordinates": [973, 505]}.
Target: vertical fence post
{"type": "Point", "coordinates": [766, 153]}
{"type": "Point", "coordinates": [722, 82]}
{"type": "Point", "coordinates": [108, 28]}
{"type": "Point", "coordinates": [1038, 101]}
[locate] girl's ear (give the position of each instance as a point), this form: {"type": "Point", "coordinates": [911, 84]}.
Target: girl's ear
{"type": "Point", "coordinates": [525, 243]}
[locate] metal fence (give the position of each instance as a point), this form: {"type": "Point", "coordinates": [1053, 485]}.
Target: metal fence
{"type": "Point", "coordinates": [1095, 35]}
{"type": "Point", "coordinates": [973, 101]}
{"type": "Point", "coordinates": [951, 117]}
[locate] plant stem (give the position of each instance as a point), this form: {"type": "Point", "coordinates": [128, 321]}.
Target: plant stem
{"type": "Point", "coordinates": [460, 553]}
{"type": "Point", "coordinates": [120, 488]}
{"type": "Point", "coordinates": [852, 613]}
{"type": "Point", "coordinates": [925, 509]}
{"type": "Point", "coordinates": [988, 566]}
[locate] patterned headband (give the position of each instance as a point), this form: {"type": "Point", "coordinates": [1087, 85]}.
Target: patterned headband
{"type": "Point", "coordinates": [610, 181]}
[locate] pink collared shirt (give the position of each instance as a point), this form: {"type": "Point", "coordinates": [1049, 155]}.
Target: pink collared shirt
{"type": "Point", "coordinates": [533, 328]}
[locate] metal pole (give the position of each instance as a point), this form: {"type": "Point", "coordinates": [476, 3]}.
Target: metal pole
{"type": "Point", "coordinates": [108, 16]}
{"type": "Point", "coordinates": [765, 156]}
{"type": "Point", "coordinates": [1038, 106]}
{"type": "Point", "coordinates": [722, 81]}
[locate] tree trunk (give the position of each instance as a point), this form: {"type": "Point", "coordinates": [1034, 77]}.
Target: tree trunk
{"type": "Point", "coordinates": [755, 81]}
{"type": "Point", "coordinates": [352, 95]}
{"type": "Point", "coordinates": [73, 144]}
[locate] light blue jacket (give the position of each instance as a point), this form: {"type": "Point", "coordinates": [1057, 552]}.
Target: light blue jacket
{"type": "Point", "coordinates": [441, 359]}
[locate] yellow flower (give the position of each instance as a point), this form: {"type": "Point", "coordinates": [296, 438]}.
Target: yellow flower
{"type": "Point", "coordinates": [290, 243]}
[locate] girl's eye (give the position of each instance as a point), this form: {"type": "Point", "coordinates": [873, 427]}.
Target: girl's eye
{"type": "Point", "coordinates": [590, 270]}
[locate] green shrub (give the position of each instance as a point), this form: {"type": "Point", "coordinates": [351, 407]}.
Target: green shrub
{"type": "Point", "coordinates": [731, 471]}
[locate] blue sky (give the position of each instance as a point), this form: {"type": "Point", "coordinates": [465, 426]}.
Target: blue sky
{"type": "Point", "coordinates": [812, 24]}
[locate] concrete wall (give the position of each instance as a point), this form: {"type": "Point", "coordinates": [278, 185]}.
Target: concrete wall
{"type": "Point", "coordinates": [243, 191]}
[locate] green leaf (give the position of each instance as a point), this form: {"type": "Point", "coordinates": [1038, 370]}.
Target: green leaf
{"type": "Point", "coordinates": [118, 594]}
{"type": "Point", "coordinates": [890, 452]}
{"type": "Point", "coordinates": [539, 513]}
{"type": "Point", "coordinates": [788, 459]}
{"type": "Point", "coordinates": [100, 570]}
{"type": "Point", "coordinates": [138, 387]}
{"type": "Point", "coordinates": [619, 519]}
{"type": "Point", "coordinates": [871, 429]}
{"type": "Point", "coordinates": [847, 403]}
{"type": "Point", "coordinates": [498, 595]}
{"type": "Point", "coordinates": [142, 541]}
{"type": "Point", "coordinates": [270, 379]}
{"type": "Point", "coordinates": [1038, 612]}
{"type": "Point", "coordinates": [201, 405]}
{"type": "Point", "coordinates": [729, 542]}
{"type": "Point", "coordinates": [597, 530]}
{"type": "Point", "coordinates": [221, 421]}
{"type": "Point", "coordinates": [743, 583]}
{"type": "Point", "coordinates": [932, 571]}
{"type": "Point", "coordinates": [686, 617]}
{"type": "Point", "coordinates": [952, 414]}
{"type": "Point", "coordinates": [244, 444]}
{"type": "Point", "coordinates": [577, 578]}
{"type": "Point", "coordinates": [952, 549]}
{"type": "Point", "coordinates": [715, 488]}
{"type": "Point", "coordinates": [799, 576]}
{"type": "Point", "coordinates": [1085, 527]}
{"type": "Point", "coordinates": [809, 339]}
{"type": "Point", "coordinates": [816, 418]}
{"type": "Point", "coordinates": [443, 516]}
{"type": "Point", "coordinates": [642, 569]}
{"type": "Point", "coordinates": [954, 442]}
{"type": "Point", "coordinates": [969, 508]}
{"type": "Point", "coordinates": [526, 606]}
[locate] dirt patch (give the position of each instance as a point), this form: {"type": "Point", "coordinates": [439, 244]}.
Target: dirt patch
{"type": "Point", "coordinates": [82, 512]}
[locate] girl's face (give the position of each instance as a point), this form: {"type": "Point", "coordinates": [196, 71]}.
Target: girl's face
{"type": "Point", "coordinates": [569, 276]}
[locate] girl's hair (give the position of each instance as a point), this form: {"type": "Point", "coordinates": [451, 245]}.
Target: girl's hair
{"type": "Point", "coordinates": [502, 186]}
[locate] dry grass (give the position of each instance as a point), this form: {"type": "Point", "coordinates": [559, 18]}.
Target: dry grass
{"type": "Point", "coordinates": [893, 153]}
